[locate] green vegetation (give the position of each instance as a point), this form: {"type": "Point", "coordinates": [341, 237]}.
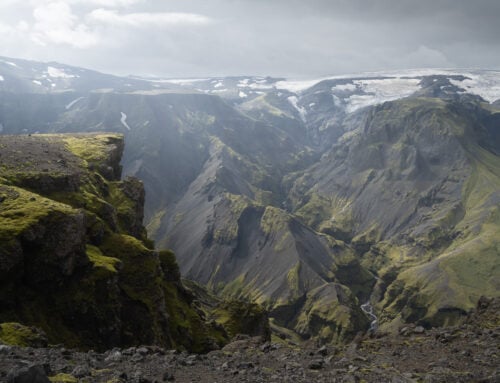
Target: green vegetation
{"type": "Point", "coordinates": [317, 210]}
{"type": "Point", "coordinates": [462, 249]}
{"type": "Point", "coordinates": [234, 288]}
{"type": "Point", "coordinates": [155, 222]}
{"type": "Point", "coordinates": [227, 231]}
{"type": "Point", "coordinates": [273, 220]}
{"type": "Point", "coordinates": [93, 148]}
{"type": "Point", "coordinates": [331, 313]}
{"type": "Point", "coordinates": [262, 103]}
{"type": "Point", "coordinates": [140, 277]}
{"type": "Point", "coordinates": [239, 317]}
{"type": "Point", "coordinates": [294, 280]}
{"type": "Point", "coordinates": [63, 378]}
{"type": "Point", "coordinates": [21, 209]}
{"type": "Point", "coordinates": [98, 260]}
{"type": "Point", "coordinates": [16, 334]}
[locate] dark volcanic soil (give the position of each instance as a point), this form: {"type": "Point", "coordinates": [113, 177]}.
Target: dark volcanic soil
{"type": "Point", "coordinates": [465, 353]}
{"type": "Point", "coordinates": [36, 154]}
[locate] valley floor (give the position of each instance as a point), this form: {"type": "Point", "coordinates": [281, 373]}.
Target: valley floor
{"type": "Point", "coordinates": [466, 353]}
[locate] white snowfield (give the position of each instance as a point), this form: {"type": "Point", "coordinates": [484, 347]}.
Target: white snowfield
{"type": "Point", "coordinates": [398, 84]}
{"type": "Point", "coordinates": [380, 91]}
{"type": "Point", "coordinates": [359, 90]}
{"type": "Point", "coordinates": [344, 87]}
{"type": "Point", "coordinates": [180, 81]}
{"type": "Point", "coordinates": [486, 85]}
{"type": "Point", "coordinates": [123, 120]}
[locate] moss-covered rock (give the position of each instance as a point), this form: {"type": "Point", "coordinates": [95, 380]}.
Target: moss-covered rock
{"type": "Point", "coordinates": [63, 378]}
{"type": "Point", "coordinates": [238, 317]}
{"type": "Point", "coordinates": [76, 261]}
{"type": "Point", "coordinates": [16, 334]}
{"type": "Point", "coordinates": [43, 239]}
{"type": "Point", "coordinates": [332, 314]}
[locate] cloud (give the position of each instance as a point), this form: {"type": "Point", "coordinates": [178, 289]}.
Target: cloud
{"type": "Point", "coordinates": [426, 57]}
{"type": "Point", "coordinates": [55, 23]}
{"type": "Point", "coordinates": [145, 19]}
{"type": "Point", "coordinates": [88, 3]}
{"type": "Point", "coordinates": [231, 37]}
{"type": "Point", "coordinates": [109, 3]}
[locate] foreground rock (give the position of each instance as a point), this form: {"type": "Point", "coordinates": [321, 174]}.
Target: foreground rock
{"type": "Point", "coordinates": [465, 353]}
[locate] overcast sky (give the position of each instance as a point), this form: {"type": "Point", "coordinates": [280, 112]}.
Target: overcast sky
{"type": "Point", "coordinates": [294, 38]}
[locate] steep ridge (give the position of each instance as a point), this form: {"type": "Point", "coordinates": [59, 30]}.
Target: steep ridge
{"type": "Point", "coordinates": [74, 257]}
{"type": "Point", "coordinates": [308, 197]}
{"type": "Point", "coordinates": [406, 185]}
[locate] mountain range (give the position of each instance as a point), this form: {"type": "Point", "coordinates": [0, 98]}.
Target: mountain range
{"type": "Point", "coordinates": [309, 197]}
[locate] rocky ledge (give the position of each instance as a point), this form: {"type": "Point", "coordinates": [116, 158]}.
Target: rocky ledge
{"type": "Point", "coordinates": [465, 353]}
{"type": "Point", "coordinates": [76, 264]}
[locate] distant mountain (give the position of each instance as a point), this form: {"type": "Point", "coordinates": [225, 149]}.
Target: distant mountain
{"type": "Point", "coordinates": [310, 197]}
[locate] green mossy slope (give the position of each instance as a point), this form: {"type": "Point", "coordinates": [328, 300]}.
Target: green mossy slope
{"type": "Point", "coordinates": [414, 187]}
{"type": "Point", "coordinates": [76, 261]}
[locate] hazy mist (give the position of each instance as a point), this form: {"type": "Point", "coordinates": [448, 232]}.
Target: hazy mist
{"type": "Point", "coordinates": [183, 38]}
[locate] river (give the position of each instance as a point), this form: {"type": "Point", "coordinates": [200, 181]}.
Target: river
{"type": "Point", "coordinates": [368, 310]}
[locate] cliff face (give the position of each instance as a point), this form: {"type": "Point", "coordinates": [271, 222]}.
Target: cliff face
{"type": "Point", "coordinates": [74, 257]}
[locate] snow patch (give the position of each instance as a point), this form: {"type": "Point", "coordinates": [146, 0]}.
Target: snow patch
{"type": "Point", "coordinates": [58, 73]}
{"type": "Point", "coordinates": [146, 123]}
{"type": "Point", "coordinates": [9, 63]}
{"type": "Point", "coordinates": [123, 120]}
{"type": "Point", "coordinates": [302, 111]}
{"type": "Point", "coordinates": [336, 100]}
{"type": "Point", "coordinates": [379, 91]}
{"type": "Point", "coordinates": [486, 85]}
{"type": "Point", "coordinates": [181, 81]}
{"type": "Point", "coordinates": [243, 83]}
{"type": "Point", "coordinates": [242, 94]}
{"type": "Point", "coordinates": [296, 86]}
{"type": "Point", "coordinates": [37, 82]}
{"type": "Point", "coordinates": [260, 86]}
{"type": "Point", "coordinates": [1, 78]}
{"type": "Point", "coordinates": [344, 87]}
{"type": "Point", "coordinates": [219, 85]}
{"type": "Point", "coordinates": [73, 102]}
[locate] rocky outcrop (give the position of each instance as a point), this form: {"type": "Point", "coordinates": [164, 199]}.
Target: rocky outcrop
{"type": "Point", "coordinates": [76, 262]}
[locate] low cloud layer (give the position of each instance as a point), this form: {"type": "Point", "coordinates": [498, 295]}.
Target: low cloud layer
{"type": "Point", "coordinates": [184, 38]}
